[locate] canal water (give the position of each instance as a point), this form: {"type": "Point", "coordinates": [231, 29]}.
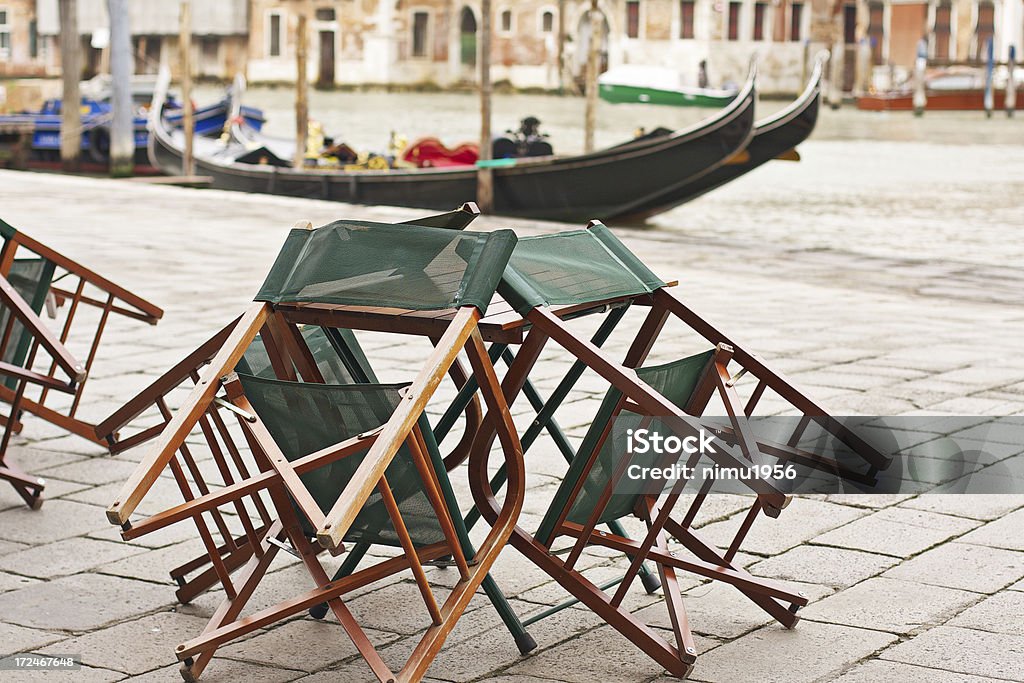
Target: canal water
{"type": "Point", "coordinates": [948, 186]}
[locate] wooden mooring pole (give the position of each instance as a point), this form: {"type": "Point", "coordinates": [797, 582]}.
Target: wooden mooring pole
{"type": "Point", "coordinates": [185, 50]}
{"type": "Point", "coordinates": [71, 72]}
{"type": "Point", "coordinates": [122, 127]}
{"type": "Point", "coordinates": [1010, 101]}
{"type": "Point", "coordinates": [484, 173]}
{"type": "Point", "coordinates": [593, 55]}
{"type": "Point", "coordinates": [301, 90]}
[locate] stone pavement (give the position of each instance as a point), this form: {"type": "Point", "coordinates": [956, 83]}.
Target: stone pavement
{"type": "Point", "coordinates": [924, 588]}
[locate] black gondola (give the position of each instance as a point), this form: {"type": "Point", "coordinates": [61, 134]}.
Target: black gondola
{"type": "Point", "coordinates": [604, 185]}
{"type": "Point", "coordinates": [774, 136]}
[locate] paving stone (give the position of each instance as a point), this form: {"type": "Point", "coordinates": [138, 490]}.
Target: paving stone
{"type": "Point", "coordinates": [153, 565]}
{"type": "Point", "coordinates": [1002, 533]}
{"type": "Point", "coordinates": [836, 567]}
{"type": "Point", "coordinates": [80, 602]}
{"type": "Point", "coordinates": [810, 652]}
{"type": "Point", "coordinates": [85, 674]}
{"type": "Point", "coordinates": [598, 655]}
{"type": "Point", "coordinates": [223, 670]}
{"type": "Point", "coordinates": [18, 639]}
{"type": "Point", "coordinates": [133, 647]}
{"type": "Point", "coordinates": [999, 613]}
{"type": "Point", "coordinates": [56, 520]}
{"type": "Point", "coordinates": [801, 521]}
{"type": "Point", "coordinates": [879, 670]}
{"type": "Point", "coordinates": [974, 506]}
{"type": "Point", "coordinates": [897, 531]}
{"type": "Point", "coordinates": [303, 644]}
{"type": "Point", "coordinates": [12, 582]}
{"type": "Point", "coordinates": [7, 547]}
{"type": "Point", "coordinates": [722, 611]}
{"type": "Point", "coordinates": [961, 565]}
{"type": "Point", "coordinates": [966, 651]}
{"type": "Point", "coordinates": [70, 556]}
{"type": "Point", "coordinates": [354, 672]}
{"type": "Point", "coordinates": [890, 605]}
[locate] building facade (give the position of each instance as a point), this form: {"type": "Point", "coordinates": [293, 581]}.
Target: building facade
{"type": "Point", "coordinates": [436, 42]}
{"type": "Point", "coordinates": [409, 42]}
{"type": "Point", "coordinates": [20, 54]}
{"type": "Point", "coordinates": [220, 40]}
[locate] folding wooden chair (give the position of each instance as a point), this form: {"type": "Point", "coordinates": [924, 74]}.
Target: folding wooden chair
{"type": "Point", "coordinates": [346, 463]}
{"type": "Point", "coordinates": [32, 276]}
{"type": "Point", "coordinates": [553, 278]}
{"type": "Point", "coordinates": [340, 360]}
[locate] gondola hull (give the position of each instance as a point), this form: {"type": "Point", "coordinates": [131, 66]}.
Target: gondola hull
{"type": "Point", "coordinates": [773, 137]}
{"type": "Point", "coordinates": [602, 185]}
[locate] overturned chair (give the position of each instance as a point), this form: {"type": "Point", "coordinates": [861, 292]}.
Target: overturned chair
{"type": "Point", "coordinates": [553, 279]}
{"type": "Point", "coordinates": [337, 463]}
{"type": "Point", "coordinates": [34, 278]}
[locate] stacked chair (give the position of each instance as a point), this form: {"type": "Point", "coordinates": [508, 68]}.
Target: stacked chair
{"type": "Point", "coordinates": [340, 462]}
{"type": "Point", "coordinates": [40, 374]}
{"type": "Point", "coordinates": [303, 449]}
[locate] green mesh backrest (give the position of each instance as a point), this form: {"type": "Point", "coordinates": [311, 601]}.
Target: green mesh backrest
{"type": "Point", "coordinates": [676, 381]}
{"type": "Point", "coordinates": [338, 356]}
{"type": "Point", "coordinates": [31, 279]}
{"type": "Point", "coordinates": [306, 417]}
{"type": "Point", "coordinates": [573, 267]}
{"type": "Point", "coordinates": [379, 264]}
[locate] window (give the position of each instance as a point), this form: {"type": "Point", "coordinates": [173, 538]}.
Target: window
{"type": "Point", "coordinates": [274, 34]}
{"type": "Point", "coordinates": [796, 16]}
{"type": "Point", "coordinates": [324, 14]}
{"type": "Point", "coordinates": [734, 20]}
{"type": "Point", "coordinates": [547, 22]}
{"type": "Point", "coordinates": [33, 39]}
{"type": "Point", "coordinates": [760, 11]}
{"type": "Point", "coordinates": [209, 47]}
{"type": "Point", "coordinates": [420, 23]}
{"type": "Point", "coordinates": [943, 13]}
{"type": "Point", "coordinates": [505, 21]}
{"type": "Point", "coordinates": [5, 33]}
{"type": "Point", "coordinates": [686, 19]}
{"type": "Point", "coordinates": [632, 19]}
{"type": "Point", "coordinates": [985, 30]}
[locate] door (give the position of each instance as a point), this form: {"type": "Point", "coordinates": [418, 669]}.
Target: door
{"type": "Point", "coordinates": [849, 47]}
{"type": "Point", "coordinates": [326, 74]}
{"type": "Point", "coordinates": [467, 38]}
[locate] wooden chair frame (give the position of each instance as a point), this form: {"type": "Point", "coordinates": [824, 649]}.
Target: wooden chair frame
{"type": "Point", "coordinates": [28, 487]}
{"type": "Point", "coordinates": [236, 551]}
{"type": "Point", "coordinates": [279, 478]}
{"type": "Point", "coordinates": [708, 561]}
{"type": "Point", "coordinates": [76, 286]}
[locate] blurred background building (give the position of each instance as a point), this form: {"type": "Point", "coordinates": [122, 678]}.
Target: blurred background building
{"type": "Point", "coordinates": [435, 42]}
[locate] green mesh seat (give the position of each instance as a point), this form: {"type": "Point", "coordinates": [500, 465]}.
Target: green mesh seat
{"type": "Point", "coordinates": [337, 353]}
{"type": "Point", "coordinates": [573, 267]}
{"type": "Point", "coordinates": [306, 417]}
{"type": "Point", "coordinates": [31, 279]}
{"type": "Point", "coordinates": [676, 381]}
{"type": "Point", "coordinates": [359, 263]}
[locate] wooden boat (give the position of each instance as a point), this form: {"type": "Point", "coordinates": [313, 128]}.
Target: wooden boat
{"type": "Point", "coordinates": [946, 89]}
{"type": "Point", "coordinates": [937, 100]}
{"type": "Point", "coordinates": [96, 116]}
{"type": "Point", "coordinates": [774, 137]}
{"type": "Point", "coordinates": [635, 84]}
{"type": "Point", "coordinates": [604, 184]}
